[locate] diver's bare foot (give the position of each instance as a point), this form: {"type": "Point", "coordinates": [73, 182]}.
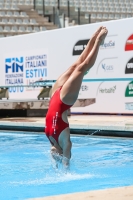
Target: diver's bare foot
{"type": "Point", "coordinates": [94, 36]}
{"type": "Point", "coordinates": [101, 36]}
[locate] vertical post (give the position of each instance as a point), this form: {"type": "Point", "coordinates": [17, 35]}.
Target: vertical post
{"type": "Point", "coordinates": [43, 7]}
{"type": "Point", "coordinates": [78, 15]}
{"type": "Point", "coordinates": [58, 6]}
{"type": "Point", "coordinates": [34, 4]}
{"type": "Point", "coordinates": [64, 20]}
{"type": "Point", "coordinates": [68, 8]}
{"type": "Point", "coordinates": [89, 18]}
{"type": "Point", "coordinates": [54, 15]}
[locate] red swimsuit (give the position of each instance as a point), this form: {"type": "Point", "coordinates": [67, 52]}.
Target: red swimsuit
{"type": "Point", "coordinates": [54, 123]}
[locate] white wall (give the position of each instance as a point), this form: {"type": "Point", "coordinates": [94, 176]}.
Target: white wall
{"type": "Point", "coordinates": [48, 54]}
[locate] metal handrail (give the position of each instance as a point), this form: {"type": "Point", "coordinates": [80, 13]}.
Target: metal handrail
{"type": "Point", "coordinates": [49, 83]}
{"type": "Point", "coordinates": [35, 84]}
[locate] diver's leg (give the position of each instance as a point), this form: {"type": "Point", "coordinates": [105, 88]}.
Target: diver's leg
{"type": "Point", "coordinates": [70, 89]}
{"type": "Point", "coordinates": [65, 76]}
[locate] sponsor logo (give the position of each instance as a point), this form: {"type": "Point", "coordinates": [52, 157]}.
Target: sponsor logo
{"type": "Point", "coordinates": [36, 66]}
{"type": "Point", "coordinates": [110, 44]}
{"type": "Point", "coordinates": [26, 70]}
{"type": "Point", "coordinates": [81, 44]}
{"type": "Point", "coordinates": [129, 106]}
{"type": "Point", "coordinates": [14, 68]}
{"type": "Point", "coordinates": [35, 69]}
{"type": "Point", "coordinates": [107, 65]}
{"type": "Point", "coordinates": [129, 90]}
{"type": "Point", "coordinates": [129, 67]}
{"type": "Point", "coordinates": [55, 122]}
{"type": "Point", "coordinates": [107, 68]}
{"type": "Point", "coordinates": [79, 47]}
{"type": "Point", "coordinates": [84, 88]}
{"type": "Point", "coordinates": [107, 90]}
{"type": "Point", "coordinates": [129, 43]}
{"type": "Point", "coordinates": [13, 65]}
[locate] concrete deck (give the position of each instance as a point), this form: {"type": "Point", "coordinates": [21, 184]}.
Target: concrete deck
{"type": "Point", "coordinates": [86, 124]}
{"type": "Point", "coordinates": [123, 193]}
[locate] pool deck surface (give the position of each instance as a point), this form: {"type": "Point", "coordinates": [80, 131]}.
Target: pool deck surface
{"type": "Point", "coordinates": [124, 193]}
{"type": "Point", "coordinates": [80, 122]}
